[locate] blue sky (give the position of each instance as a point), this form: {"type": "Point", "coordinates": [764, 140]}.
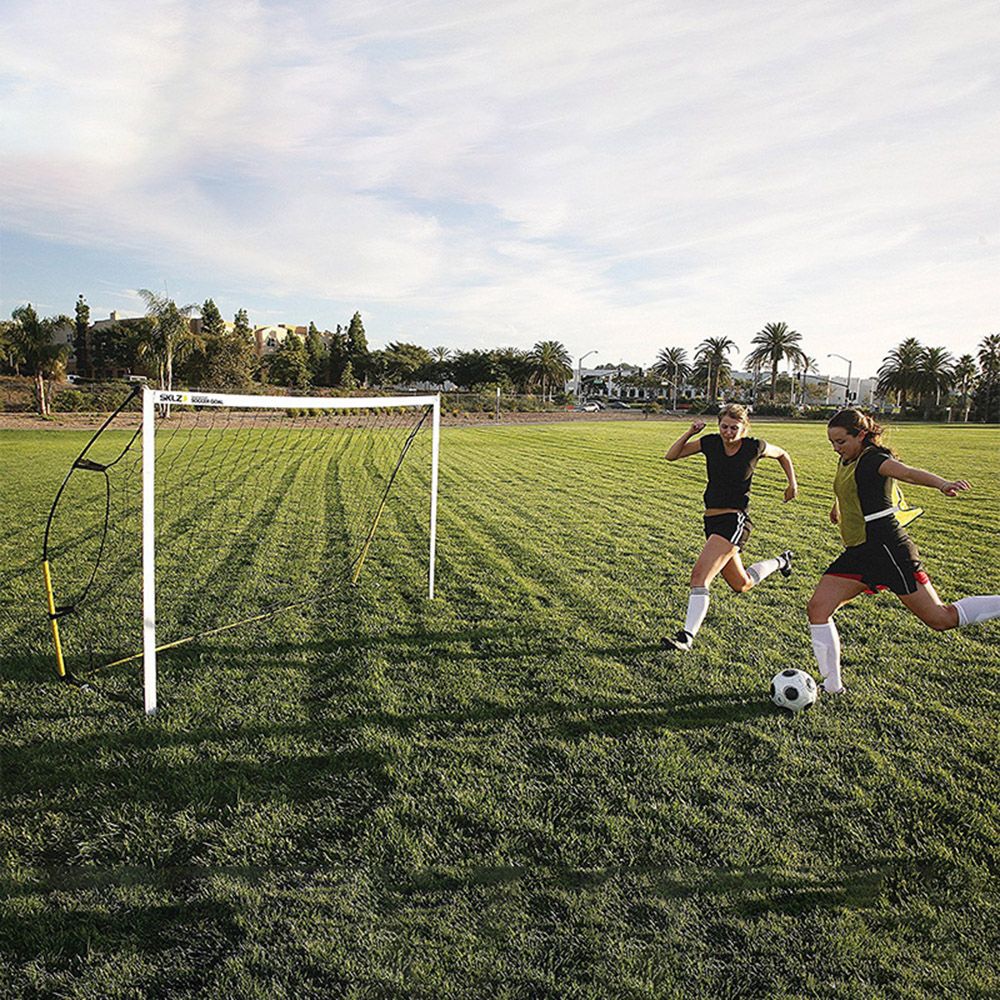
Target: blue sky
{"type": "Point", "coordinates": [618, 176]}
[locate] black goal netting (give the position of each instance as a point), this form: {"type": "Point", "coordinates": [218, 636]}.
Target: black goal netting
{"type": "Point", "coordinates": [256, 511]}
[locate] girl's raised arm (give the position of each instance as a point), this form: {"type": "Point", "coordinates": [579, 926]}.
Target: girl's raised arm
{"type": "Point", "coordinates": [684, 446]}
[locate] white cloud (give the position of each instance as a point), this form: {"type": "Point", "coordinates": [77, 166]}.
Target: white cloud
{"type": "Point", "coordinates": [635, 172]}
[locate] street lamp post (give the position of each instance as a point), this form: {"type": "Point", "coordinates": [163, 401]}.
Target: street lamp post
{"type": "Point", "coordinates": [847, 391]}
{"type": "Point", "coordinates": [579, 372]}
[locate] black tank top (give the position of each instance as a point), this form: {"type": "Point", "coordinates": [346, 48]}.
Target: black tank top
{"type": "Point", "coordinates": [729, 476]}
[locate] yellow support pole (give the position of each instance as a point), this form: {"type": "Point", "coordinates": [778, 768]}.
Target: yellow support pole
{"type": "Point", "coordinates": [368, 541]}
{"type": "Point", "coordinates": [53, 619]}
{"type": "Point", "coordinates": [205, 634]}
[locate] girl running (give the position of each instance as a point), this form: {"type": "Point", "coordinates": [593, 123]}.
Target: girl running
{"type": "Point", "coordinates": [879, 554]}
{"type": "Point", "coordinates": [731, 458]}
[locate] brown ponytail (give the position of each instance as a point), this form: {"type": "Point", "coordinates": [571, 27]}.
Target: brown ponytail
{"type": "Point", "coordinates": [857, 423]}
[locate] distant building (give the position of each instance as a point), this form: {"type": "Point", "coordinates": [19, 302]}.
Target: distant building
{"type": "Point", "coordinates": [620, 382]}
{"type": "Point", "coordinates": [269, 338]}
{"type": "Point", "coordinates": [66, 334]}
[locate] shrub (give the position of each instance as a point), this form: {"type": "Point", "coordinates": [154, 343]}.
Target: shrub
{"type": "Point", "coordinates": [71, 401]}
{"type": "Point", "coordinates": [776, 410]}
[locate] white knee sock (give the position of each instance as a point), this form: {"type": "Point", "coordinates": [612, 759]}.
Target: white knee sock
{"type": "Point", "coordinates": [697, 609]}
{"type": "Point", "coordinates": [826, 646]}
{"type": "Point", "coordinates": [760, 571]}
{"type": "Point", "coordinates": [978, 609]}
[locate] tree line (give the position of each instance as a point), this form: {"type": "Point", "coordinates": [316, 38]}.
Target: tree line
{"type": "Point", "coordinates": [166, 346]}
{"type": "Point", "coordinates": [919, 380]}
{"type": "Point", "coordinates": [210, 354]}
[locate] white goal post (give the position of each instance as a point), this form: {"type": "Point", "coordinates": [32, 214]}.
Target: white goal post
{"type": "Point", "coordinates": [156, 401]}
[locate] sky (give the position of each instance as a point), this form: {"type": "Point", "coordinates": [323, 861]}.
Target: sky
{"type": "Point", "coordinates": [618, 175]}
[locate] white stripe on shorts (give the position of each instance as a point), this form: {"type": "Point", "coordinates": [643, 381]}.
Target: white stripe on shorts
{"type": "Point", "coordinates": [740, 521]}
{"type": "Point", "coordinates": [902, 575]}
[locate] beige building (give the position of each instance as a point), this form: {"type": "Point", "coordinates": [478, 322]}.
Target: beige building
{"type": "Point", "coordinates": [270, 338]}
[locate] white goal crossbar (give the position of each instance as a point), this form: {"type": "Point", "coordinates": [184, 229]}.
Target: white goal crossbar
{"type": "Point", "coordinates": [154, 398]}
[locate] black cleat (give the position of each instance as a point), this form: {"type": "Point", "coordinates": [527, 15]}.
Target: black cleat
{"type": "Point", "coordinates": [682, 641]}
{"type": "Point", "coordinates": [786, 570]}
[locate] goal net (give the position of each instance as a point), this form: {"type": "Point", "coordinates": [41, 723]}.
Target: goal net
{"type": "Point", "coordinates": [206, 513]}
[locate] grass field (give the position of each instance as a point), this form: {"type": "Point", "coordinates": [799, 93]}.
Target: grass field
{"type": "Point", "coordinates": [510, 792]}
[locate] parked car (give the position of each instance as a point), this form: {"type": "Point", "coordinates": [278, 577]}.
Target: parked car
{"type": "Point", "coordinates": [617, 404]}
{"type": "Point", "coordinates": [588, 407]}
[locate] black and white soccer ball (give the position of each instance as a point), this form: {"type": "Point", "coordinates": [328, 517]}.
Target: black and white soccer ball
{"type": "Point", "coordinates": [794, 690]}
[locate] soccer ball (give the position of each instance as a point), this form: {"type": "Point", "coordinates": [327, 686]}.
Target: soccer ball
{"type": "Point", "coordinates": [794, 690]}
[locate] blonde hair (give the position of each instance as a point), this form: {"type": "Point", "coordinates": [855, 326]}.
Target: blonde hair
{"type": "Point", "coordinates": [735, 411]}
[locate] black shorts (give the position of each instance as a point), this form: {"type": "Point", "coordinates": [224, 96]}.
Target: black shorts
{"type": "Point", "coordinates": [887, 562]}
{"type": "Point", "coordinates": [734, 528]}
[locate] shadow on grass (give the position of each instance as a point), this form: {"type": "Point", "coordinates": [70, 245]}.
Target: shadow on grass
{"type": "Point", "coordinates": [205, 931]}
{"type": "Point", "coordinates": [746, 893]}
{"type": "Point", "coordinates": [578, 719]}
{"type": "Point", "coordinates": [112, 769]}
{"type": "Point", "coordinates": [35, 659]}
{"type": "Point", "coordinates": [682, 713]}
{"type": "Point", "coordinates": [759, 892]}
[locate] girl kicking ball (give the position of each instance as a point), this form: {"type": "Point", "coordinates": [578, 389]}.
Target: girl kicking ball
{"type": "Point", "coordinates": [731, 458]}
{"type": "Point", "coordinates": [879, 554]}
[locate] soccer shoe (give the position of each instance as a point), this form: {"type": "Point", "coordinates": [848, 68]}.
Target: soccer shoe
{"type": "Point", "coordinates": [682, 641]}
{"type": "Point", "coordinates": [822, 687]}
{"type": "Point", "coordinates": [786, 570]}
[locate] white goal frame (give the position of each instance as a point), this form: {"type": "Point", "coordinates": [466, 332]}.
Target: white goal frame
{"type": "Point", "coordinates": [151, 398]}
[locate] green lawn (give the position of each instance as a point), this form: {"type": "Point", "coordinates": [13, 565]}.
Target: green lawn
{"type": "Point", "coordinates": [509, 791]}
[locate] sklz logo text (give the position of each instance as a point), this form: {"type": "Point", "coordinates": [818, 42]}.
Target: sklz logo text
{"type": "Point", "coordinates": [172, 397]}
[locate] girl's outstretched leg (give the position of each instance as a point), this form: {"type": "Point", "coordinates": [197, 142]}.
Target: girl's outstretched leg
{"type": "Point", "coordinates": [928, 607]}
{"type": "Point", "coordinates": [978, 609]}
{"type": "Point", "coordinates": [760, 571]}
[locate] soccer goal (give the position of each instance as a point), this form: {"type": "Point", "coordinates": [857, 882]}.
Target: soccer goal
{"type": "Point", "coordinates": [204, 513]}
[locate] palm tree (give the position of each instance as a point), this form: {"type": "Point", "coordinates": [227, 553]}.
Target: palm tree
{"type": "Point", "coordinates": [32, 345]}
{"type": "Point", "coordinates": [170, 334]}
{"type": "Point", "coordinates": [965, 372]}
{"type": "Point", "coordinates": [550, 363]}
{"type": "Point", "coordinates": [712, 363]}
{"type": "Point", "coordinates": [512, 367]}
{"type": "Point", "coordinates": [989, 367]}
{"type": "Point", "coordinates": [900, 371]}
{"type": "Point", "coordinates": [672, 363]}
{"type": "Point", "coordinates": [439, 369]}
{"type": "Point", "coordinates": [936, 375]}
{"type": "Point", "coordinates": [775, 343]}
